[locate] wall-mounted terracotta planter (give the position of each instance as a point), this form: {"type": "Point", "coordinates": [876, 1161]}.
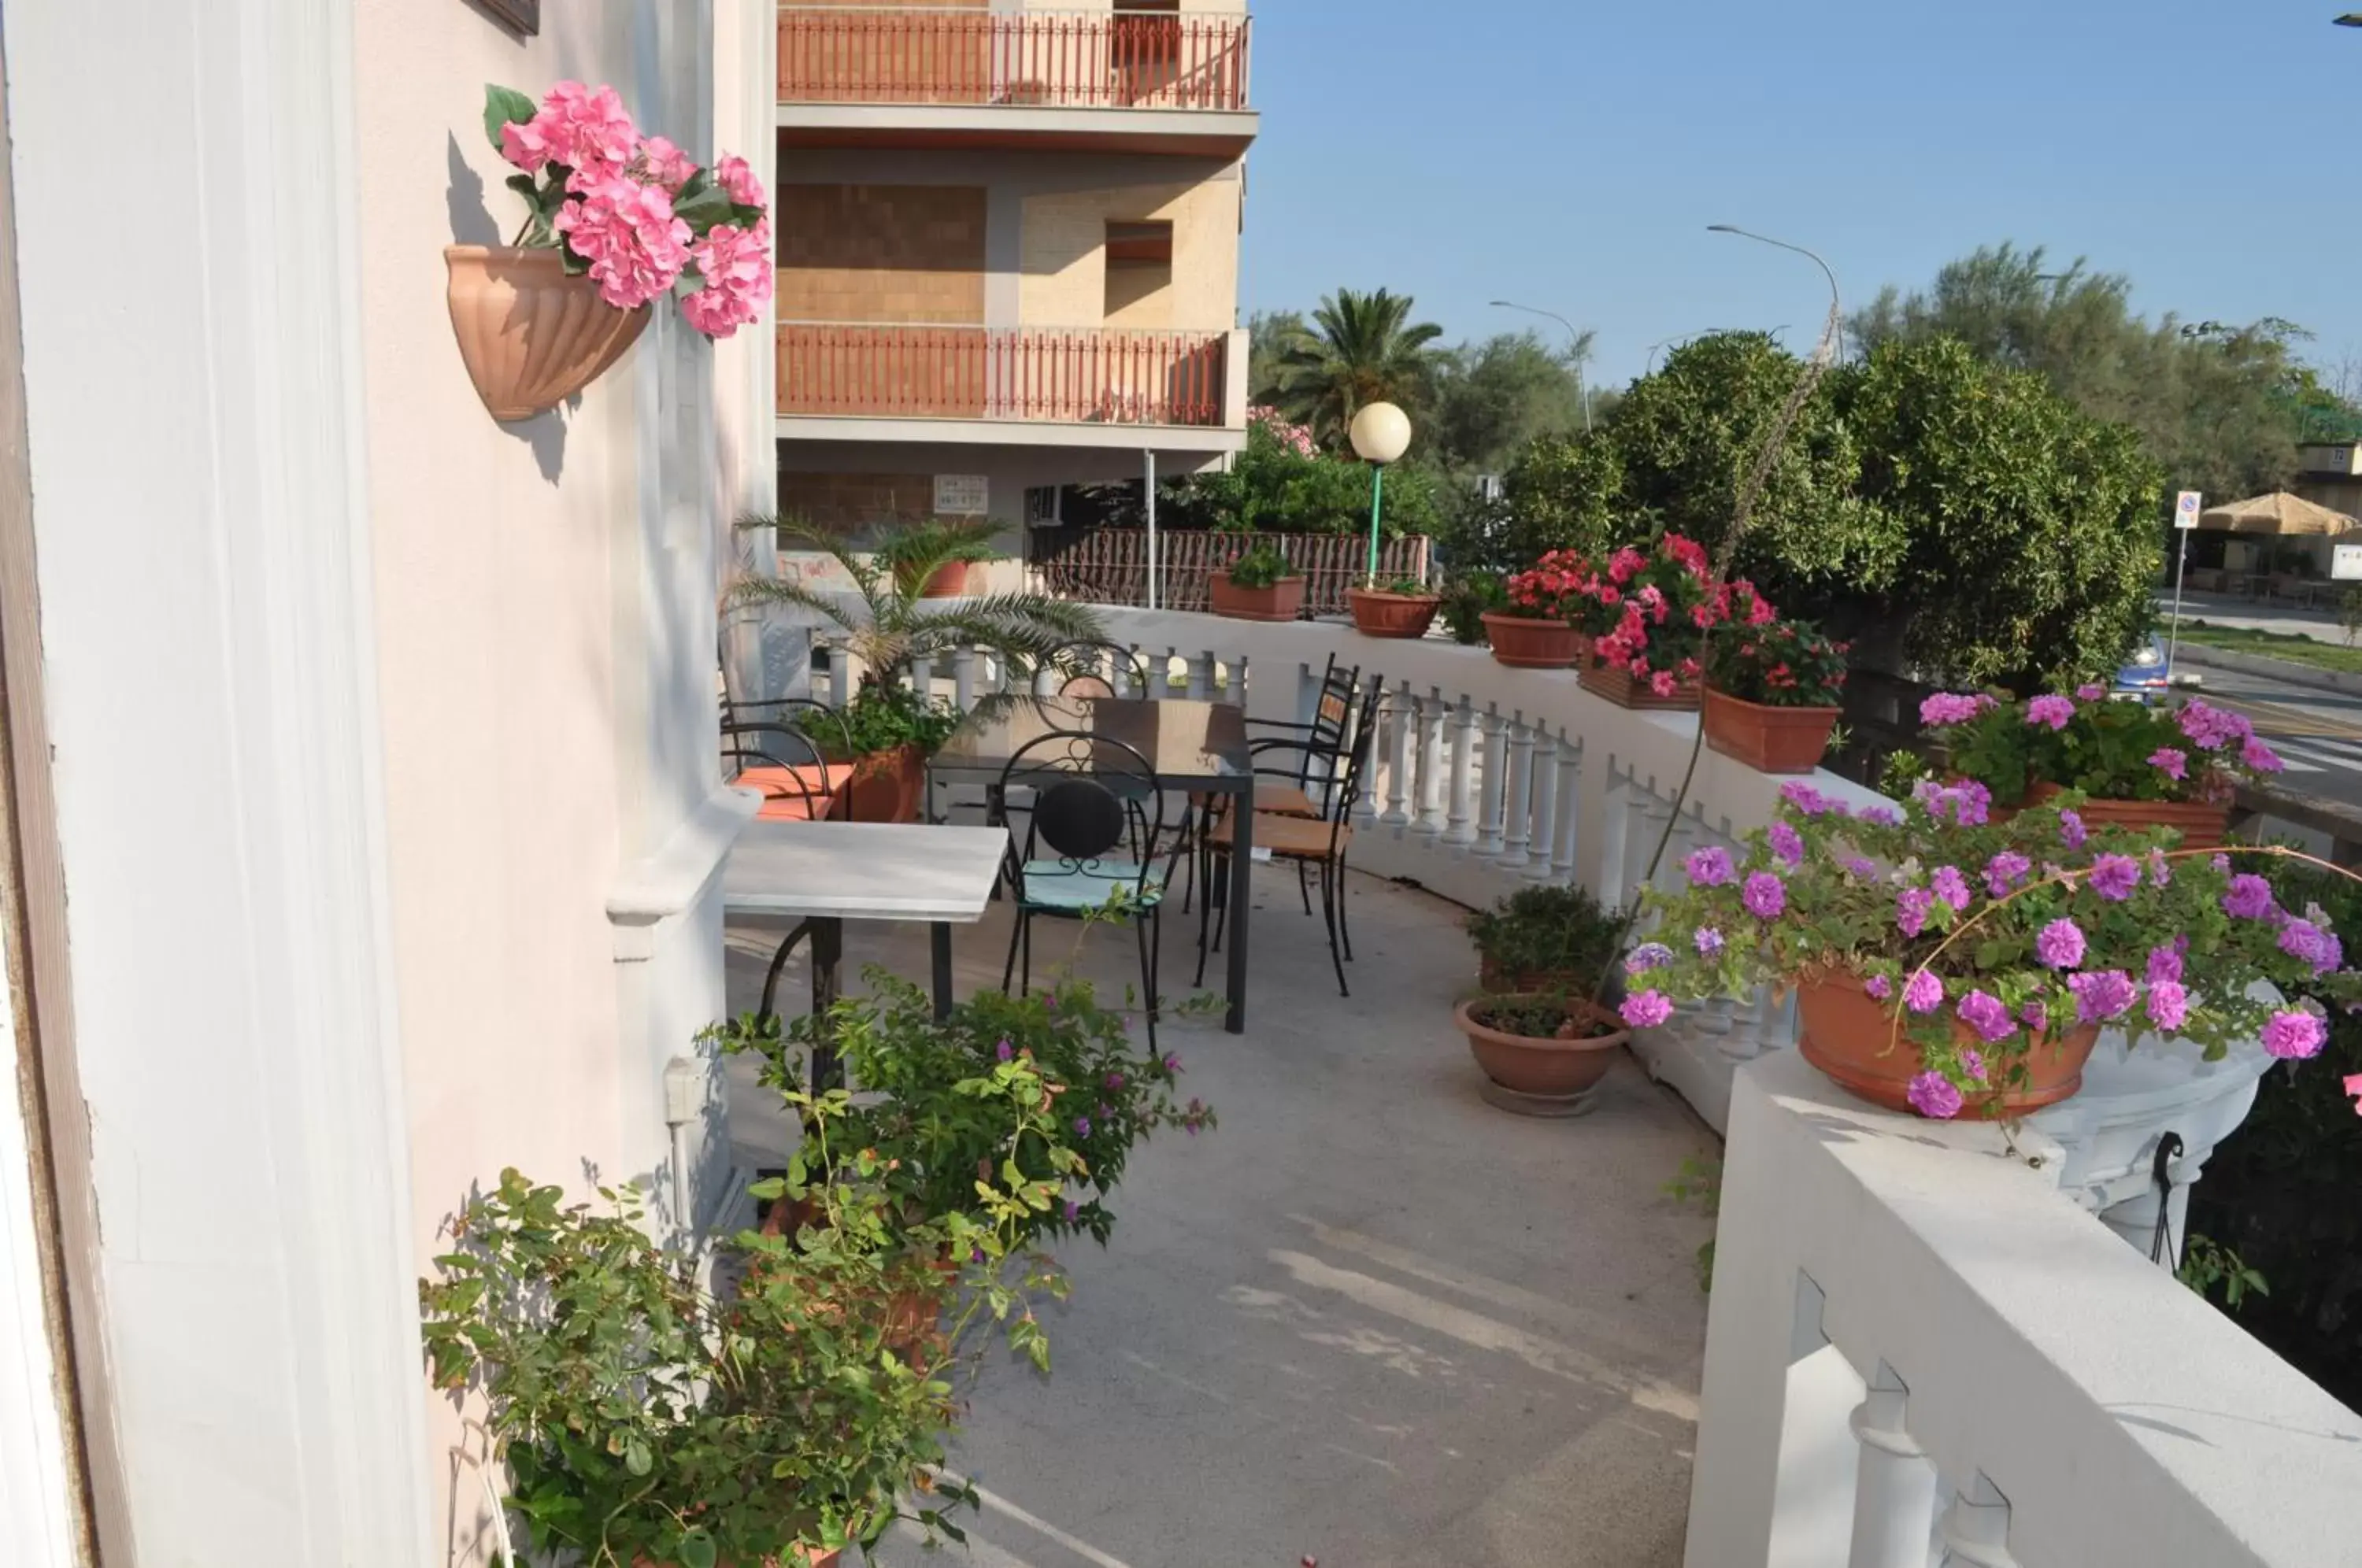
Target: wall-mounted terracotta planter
{"type": "Point", "coordinates": [1283, 601]}
{"type": "Point", "coordinates": [1524, 643]}
{"type": "Point", "coordinates": [1620, 688]}
{"type": "Point", "coordinates": [1848, 1035]}
{"type": "Point", "coordinates": [1403, 615]}
{"type": "Point", "coordinates": [530, 336]}
{"type": "Point", "coordinates": [1768, 739]}
{"type": "Point", "coordinates": [2202, 826]}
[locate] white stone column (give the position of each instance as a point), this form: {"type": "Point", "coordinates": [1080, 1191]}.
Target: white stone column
{"type": "Point", "coordinates": [1894, 1486]}
{"type": "Point", "coordinates": [1546, 746]}
{"type": "Point", "coordinates": [1401, 717]}
{"type": "Point", "coordinates": [1976, 1529]}
{"type": "Point", "coordinates": [1430, 764]}
{"type": "Point", "coordinates": [1460, 819]}
{"type": "Point", "coordinates": [1518, 791]}
{"type": "Point", "coordinates": [1489, 838]}
{"type": "Point", "coordinates": [1570, 777]}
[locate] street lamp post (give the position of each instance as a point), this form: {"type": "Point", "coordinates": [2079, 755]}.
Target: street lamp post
{"type": "Point", "coordinates": [1380, 434]}
{"type": "Point", "coordinates": [1574, 350]}
{"type": "Point", "coordinates": [1833, 339]}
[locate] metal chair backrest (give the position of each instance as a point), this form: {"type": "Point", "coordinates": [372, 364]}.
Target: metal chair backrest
{"type": "Point", "coordinates": [1090, 793]}
{"type": "Point", "coordinates": [1338, 809]}
{"type": "Point", "coordinates": [803, 771]}
{"type": "Point", "coordinates": [1090, 668]}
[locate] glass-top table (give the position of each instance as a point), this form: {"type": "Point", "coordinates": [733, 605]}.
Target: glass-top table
{"type": "Point", "coordinates": [1197, 746]}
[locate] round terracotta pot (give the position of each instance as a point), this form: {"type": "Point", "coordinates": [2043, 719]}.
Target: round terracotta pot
{"type": "Point", "coordinates": [949, 581]}
{"type": "Point", "coordinates": [2202, 826]}
{"type": "Point", "coordinates": [1619, 686]}
{"type": "Point", "coordinates": [1379, 614]}
{"type": "Point", "coordinates": [1768, 739]}
{"type": "Point", "coordinates": [887, 787]}
{"type": "Point", "coordinates": [1524, 644]}
{"type": "Point", "coordinates": [1846, 1035]}
{"type": "Point", "coordinates": [1283, 601]}
{"type": "Point", "coordinates": [530, 336]}
{"type": "Point", "coordinates": [1553, 1069]}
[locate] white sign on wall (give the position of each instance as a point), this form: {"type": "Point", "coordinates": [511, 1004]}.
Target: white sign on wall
{"type": "Point", "coordinates": [963, 495]}
{"type": "Point", "coordinates": [2345, 563]}
{"type": "Point", "coordinates": [2186, 508]}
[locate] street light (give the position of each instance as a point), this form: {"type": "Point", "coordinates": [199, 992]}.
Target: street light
{"type": "Point", "coordinates": [1381, 433]}
{"type": "Point", "coordinates": [1833, 339]}
{"type": "Point", "coordinates": [1573, 351]}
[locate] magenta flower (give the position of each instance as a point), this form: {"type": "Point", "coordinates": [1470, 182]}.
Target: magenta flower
{"type": "Point", "coordinates": [580, 128]}
{"type": "Point", "coordinates": [1646, 956]}
{"type": "Point", "coordinates": [1935, 1096]}
{"type": "Point", "coordinates": [1923, 992]}
{"type": "Point", "coordinates": [2103, 994]}
{"type": "Point", "coordinates": [1074, 1211]}
{"type": "Point", "coordinates": [1172, 1063]}
{"type": "Point", "coordinates": [1950, 708]}
{"type": "Point", "coordinates": [1878, 987]}
{"type": "Point", "coordinates": [1807, 800]}
{"type": "Point", "coordinates": [1787, 844]}
{"type": "Point", "coordinates": [2060, 944]}
{"type": "Point", "coordinates": [627, 231]}
{"type": "Point", "coordinates": [1879, 816]}
{"type": "Point", "coordinates": [2115, 878]}
{"type": "Point", "coordinates": [2164, 964]}
{"type": "Point", "coordinates": [1948, 884]}
{"type": "Point", "coordinates": [2168, 1004]}
{"type": "Point", "coordinates": [2176, 764]}
{"type": "Point", "coordinates": [2319, 948]}
{"type": "Point", "coordinates": [1708, 940]}
{"type": "Point", "coordinates": [1972, 1062]}
{"type": "Point", "coordinates": [2259, 756]}
{"type": "Point", "coordinates": [1764, 895]}
{"type": "Point", "coordinates": [2212, 728]}
{"type": "Point", "coordinates": [2035, 1016]}
{"type": "Point", "coordinates": [739, 268]}
{"type": "Point", "coordinates": [2071, 830]}
{"type": "Point", "coordinates": [1082, 1126]}
{"type": "Point", "coordinates": [2250, 898]}
{"type": "Point", "coordinates": [1863, 867]}
{"type": "Point", "coordinates": [1708, 867]}
{"type": "Point", "coordinates": [1004, 1051]}
{"type": "Point", "coordinates": [1911, 909]}
{"type": "Point", "coordinates": [2091, 692]}
{"type": "Point", "coordinates": [2220, 862]}
{"type": "Point", "coordinates": [1986, 1015]}
{"type": "Point", "coordinates": [2294, 1036]}
{"type": "Point", "coordinates": [1968, 803]}
{"type": "Point", "coordinates": [2161, 869]}
{"type": "Point", "coordinates": [1646, 1010]}
{"type": "Point", "coordinates": [2004, 871]}
{"type": "Point", "coordinates": [2057, 713]}
{"type": "Point", "coordinates": [737, 180]}
{"type": "Point", "coordinates": [1114, 1082]}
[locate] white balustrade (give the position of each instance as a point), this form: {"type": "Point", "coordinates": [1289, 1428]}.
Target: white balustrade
{"type": "Point", "coordinates": [1520, 795]}
{"type": "Point", "coordinates": [1459, 821]}
{"type": "Point", "coordinates": [1401, 719]}
{"type": "Point", "coordinates": [1430, 765]}
{"type": "Point", "coordinates": [1497, 741]}
{"type": "Point", "coordinates": [1545, 792]}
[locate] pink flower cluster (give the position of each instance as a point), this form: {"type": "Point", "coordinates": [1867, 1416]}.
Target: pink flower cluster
{"type": "Point", "coordinates": [581, 128]}
{"type": "Point", "coordinates": [627, 232]}
{"type": "Point", "coordinates": [738, 269]}
{"type": "Point", "coordinates": [1294, 437]}
{"type": "Point", "coordinates": [1952, 708]}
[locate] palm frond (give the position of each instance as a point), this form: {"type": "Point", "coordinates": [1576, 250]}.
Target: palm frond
{"type": "Point", "coordinates": [796, 595]}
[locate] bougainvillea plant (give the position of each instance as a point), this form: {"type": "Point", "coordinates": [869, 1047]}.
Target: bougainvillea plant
{"type": "Point", "coordinates": [1648, 612]}
{"type": "Point", "coordinates": [2110, 750]}
{"type": "Point", "coordinates": [1553, 588]}
{"type": "Point", "coordinates": [1759, 657]}
{"type": "Point", "coordinates": [2011, 930]}
{"type": "Point", "coordinates": [635, 212]}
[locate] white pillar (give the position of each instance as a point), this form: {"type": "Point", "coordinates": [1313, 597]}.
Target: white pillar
{"type": "Point", "coordinates": [1401, 717]}
{"type": "Point", "coordinates": [1150, 459]}
{"type": "Point", "coordinates": [1459, 823]}
{"type": "Point", "coordinates": [964, 678]}
{"type": "Point", "coordinates": [1430, 763]}
{"type": "Point", "coordinates": [1894, 1486]}
{"type": "Point", "coordinates": [1546, 747]}
{"type": "Point", "coordinates": [1517, 789]}
{"type": "Point", "coordinates": [1976, 1529]}
{"type": "Point", "coordinates": [1570, 768]}
{"type": "Point", "coordinates": [1488, 840]}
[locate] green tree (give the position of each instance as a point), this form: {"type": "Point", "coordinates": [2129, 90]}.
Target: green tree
{"type": "Point", "coordinates": [1360, 348]}
{"type": "Point", "coordinates": [1269, 333]}
{"type": "Point", "coordinates": [1490, 400]}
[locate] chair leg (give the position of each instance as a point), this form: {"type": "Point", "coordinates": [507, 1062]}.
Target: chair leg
{"type": "Point", "coordinates": [1016, 929]}
{"type": "Point", "coordinates": [1025, 969]}
{"type": "Point", "coordinates": [1205, 922]}
{"type": "Point", "coordinates": [1303, 887]}
{"type": "Point", "coordinates": [1329, 891]}
{"type": "Point", "coordinates": [1140, 926]}
{"type": "Point", "coordinates": [1343, 930]}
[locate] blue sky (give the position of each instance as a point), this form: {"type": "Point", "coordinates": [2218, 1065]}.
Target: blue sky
{"type": "Point", "coordinates": [1570, 153]}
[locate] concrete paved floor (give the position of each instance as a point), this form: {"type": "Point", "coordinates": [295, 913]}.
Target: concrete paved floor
{"type": "Point", "coordinates": [1369, 1320]}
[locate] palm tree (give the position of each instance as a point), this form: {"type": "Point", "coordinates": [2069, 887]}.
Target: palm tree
{"type": "Point", "coordinates": [891, 629]}
{"type": "Point", "coordinates": [1358, 351]}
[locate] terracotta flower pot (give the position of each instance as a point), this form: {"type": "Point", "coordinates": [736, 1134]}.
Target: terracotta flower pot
{"type": "Point", "coordinates": [949, 581]}
{"type": "Point", "coordinates": [1283, 601]}
{"type": "Point", "coordinates": [1554, 1069]}
{"type": "Point", "coordinates": [1846, 1035]}
{"type": "Point", "coordinates": [887, 787]}
{"type": "Point", "coordinates": [530, 336]}
{"type": "Point", "coordinates": [1379, 614]}
{"type": "Point", "coordinates": [1620, 688]}
{"type": "Point", "coordinates": [1524, 643]}
{"type": "Point", "coordinates": [1768, 739]}
{"type": "Point", "coordinates": [2202, 826]}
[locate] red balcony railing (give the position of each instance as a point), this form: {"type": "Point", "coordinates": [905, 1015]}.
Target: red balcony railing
{"type": "Point", "coordinates": [1121, 59]}
{"type": "Point", "coordinates": [1078, 376]}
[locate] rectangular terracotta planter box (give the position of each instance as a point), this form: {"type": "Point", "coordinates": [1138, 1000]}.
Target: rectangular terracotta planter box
{"type": "Point", "coordinates": [1768, 739]}
{"type": "Point", "coordinates": [1283, 601]}
{"type": "Point", "coordinates": [1619, 687]}
{"type": "Point", "coordinates": [2202, 826]}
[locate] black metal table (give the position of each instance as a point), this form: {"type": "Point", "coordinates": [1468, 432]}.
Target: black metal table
{"type": "Point", "coordinates": [1192, 745]}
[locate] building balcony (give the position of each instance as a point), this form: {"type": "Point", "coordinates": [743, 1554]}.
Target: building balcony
{"type": "Point", "coordinates": [908, 76]}
{"type": "Point", "coordinates": [1052, 386]}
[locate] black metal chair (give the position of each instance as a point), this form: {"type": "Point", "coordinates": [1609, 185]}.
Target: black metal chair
{"type": "Point", "coordinates": [822, 736]}
{"type": "Point", "coordinates": [1290, 792]}
{"type": "Point", "coordinates": [1086, 790]}
{"type": "Point", "coordinates": [798, 784]}
{"type": "Point", "coordinates": [1320, 841]}
{"type": "Point", "coordinates": [1091, 668]}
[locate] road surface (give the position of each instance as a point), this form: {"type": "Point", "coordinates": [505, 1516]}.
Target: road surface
{"type": "Point", "coordinates": [2317, 732]}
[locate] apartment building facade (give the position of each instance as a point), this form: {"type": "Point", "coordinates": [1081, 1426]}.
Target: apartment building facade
{"type": "Point", "coordinates": [1009, 244]}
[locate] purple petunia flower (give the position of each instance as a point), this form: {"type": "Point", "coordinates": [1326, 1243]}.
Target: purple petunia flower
{"type": "Point", "coordinates": [2071, 830]}
{"type": "Point", "coordinates": [2259, 756]}
{"type": "Point", "coordinates": [1924, 992]}
{"type": "Point", "coordinates": [2164, 964]}
{"type": "Point", "coordinates": [1972, 1062]}
{"type": "Point", "coordinates": [1985, 1014]}
{"type": "Point", "coordinates": [1948, 884]}
{"type": "Point", "coordinates": [1082, 1126]}
{"type": "Point", "coordinates": [1646, 1010]}
{"type": "Point", "coordinates": [2004, 871]}
{"type": "Point", "coordinates": [1114, 1081]}
{"type": "Point", "coordinates": [1708, 867]}
{"type": "Point", "coordinates": [1967, 803]}
{"type": "Point", "coordinates": [2035, 1016]}
{"type": "Point", "coordinates": [1878, 987]}
{"type": "Point", "coordinates": [1863, 867]}
{"type": "Point", "coordinates": [2115, 878]}
{"type": "Point", "coordinates": [2168, 1004]}
{"type": "Point", "coordinates": [1003, 1050]}
{"type": "Point", "coordinates": [1911, 908]}
{"type": "Point", "coordinates": [2103, 994]}
{"type": "Point", "coordinates": [1787, 844]}
{"type": "Point", "coordinates": [2161, 869]}
{"type": "Point", "coordinates": [2220, 862]}
{"type": "Point", "coordinates": [1764, 895]}
{"type": "Point", "coordinates": [1879, 816]}
{"type": "Point", "coordinates": [2319, 948]}
{"type": "Point", "coordinates": [2057, 713]}
{"type": "Point", "coordinates": [2250, 898]}
{"type": "Point", "coordinates": [2294, 1036]}
{"type": "Point", "coordinates": [1807, 800]}
{"type": "Point", "coordinates": [1172, 1063]}
{"type": "Point", "coordinates": [1935, 1096]}
{"type": "Point", "coordinates": [2060, 944]}
{"type": "Point", "coordinates": [1646, 956]}
{"type": "Point", "coordinates": [1074, 1211]}
{"type": "Point", "coordinates": [1708, 940]}
{"type": "Point", "coordinates": [2176, 764]}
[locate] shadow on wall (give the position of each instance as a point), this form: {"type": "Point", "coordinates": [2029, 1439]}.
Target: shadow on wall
{"type": "Point", "coordinates": [472, 224]}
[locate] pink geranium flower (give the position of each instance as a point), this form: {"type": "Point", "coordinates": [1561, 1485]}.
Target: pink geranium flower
{"type": "Point", "coordinates": [737, 178]}
{"type": "Point", "coordinates": [738, 269]}
{"type": "Point", "coordinates": [583, 129]}
{"type": "Point", "coordinates": [627, 231]}
{"type": "Point", "coordinates": [2175, 764]}
{"type": "Point", "coordinates": [662, 163]}
{"type": "Point", "coordinates": [2055, 711]}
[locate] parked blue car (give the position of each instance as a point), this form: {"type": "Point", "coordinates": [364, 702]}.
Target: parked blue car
{"type": "Point", "coordinates": [2142, 679]}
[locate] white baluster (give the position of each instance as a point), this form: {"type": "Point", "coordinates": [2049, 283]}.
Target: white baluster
{"type": "Point", "coordinates": [1459, 823]}
{"type": "Point", "coordinates": [1365, 809]}
{"type": "Point", "coordinates": [1201, 675]}
{"type": "Point", "coordinates": [1518, 791]}
{"type": "Point", "coordinates": [922, 677]}
{"type": "Point", "coordinates": [1894, 1486]}
{"type": "Point", "coordinates": [1241, 679]}
{"type": "Point", "coordinates": [1976, 1529]}
{"type": "Point", "coordinates": [1569, 774]}
{"type": "Point", "coordinates": [963, 660]}
{"type": "Point", "coordinates": [1546, 746]}
{"type": "Point", "coordinates": [1401, 719]}
{"type": "Point", "coordinates": [1496, 751]}
{"type": "Point", "coordinates": [840, 677]}
{"type": "Point", "coordinates": [1430, 763]}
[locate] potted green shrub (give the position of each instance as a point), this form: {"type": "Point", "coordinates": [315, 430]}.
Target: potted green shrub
{"type": "Point", "coordinates": [1542, 1055]}
{"type": "Point", "coordinates": [1532, 626]}
{"type": "Point", "coordinates": [1944, 961]}
{"type": "Point", "coordinates": [2136, 765]}
{"type": "Point", "coordinates": [1545, 938]}
{"type": "Point", "coordinates": [1259, 585]}
{"type": "Point", "coordinates": [886, 733]}
{"type": "Point", "coordinates": [1466, 600]}
{"type": "Point", "coordinates": [1773, 689]}
{"type": "Point", "coordinates": [1403, 607]}
{"type": "Point", "coordinates": [931, 559]}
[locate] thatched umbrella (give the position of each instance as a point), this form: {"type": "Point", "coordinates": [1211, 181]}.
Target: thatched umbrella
{"type": "Point", "coordinates": [2280, 513]}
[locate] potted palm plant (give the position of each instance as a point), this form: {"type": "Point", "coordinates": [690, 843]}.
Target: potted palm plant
{"type": "Point", "coordinates": [1258, 586]}
{"type": "Point", "coordinates": [1772, 689]}
{"type": "Point", "coordinates": [887, 629]}
{"type": "Point", "coordinates": [931, 560]}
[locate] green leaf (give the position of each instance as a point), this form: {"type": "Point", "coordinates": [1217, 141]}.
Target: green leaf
{"type": "Point", "coordinates": [505, 107]}
{"type": "Point", "coordinates": [703, 210]}
{"type": "Point", "coordinates": [696, 1550]}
